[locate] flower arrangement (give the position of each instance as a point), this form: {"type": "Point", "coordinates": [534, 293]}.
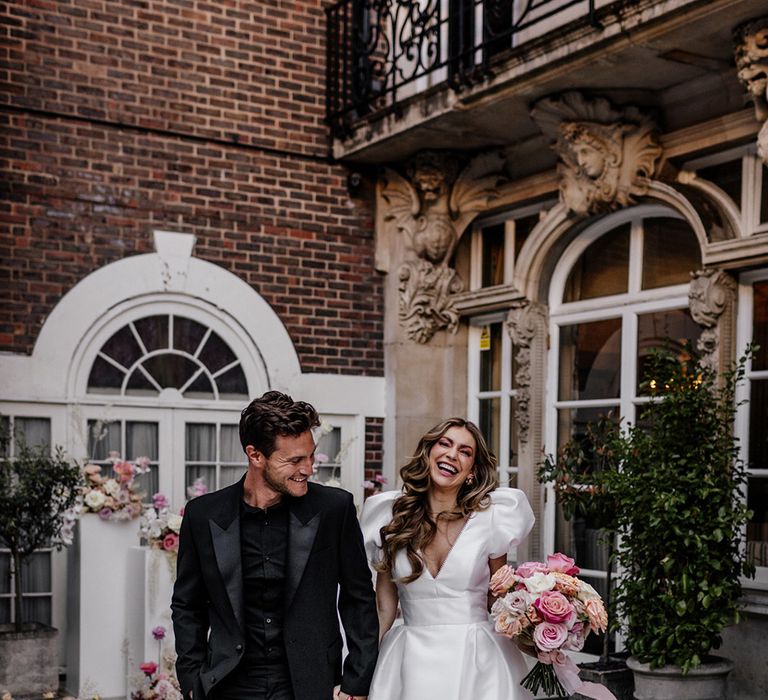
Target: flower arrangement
{"type": "Point", "coordinates": [114, 498]}
{"type": "Point", "coordinates": [547, 609]}
{"type": "Point", "coordinates": [156, 686]}
{"type": "Point", "coordinates": [376, 484]}
{"type": "Point", "coordinates": [159, 526]}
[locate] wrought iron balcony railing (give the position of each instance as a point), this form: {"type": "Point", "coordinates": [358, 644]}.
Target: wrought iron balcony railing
{"type": "Point", "coordinates": [382, 51]}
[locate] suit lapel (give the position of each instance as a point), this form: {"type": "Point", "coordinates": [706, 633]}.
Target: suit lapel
{"type": "Point", "coordinates": [225, 536]}
{"type": "Point", "coordinates": [303, 523]}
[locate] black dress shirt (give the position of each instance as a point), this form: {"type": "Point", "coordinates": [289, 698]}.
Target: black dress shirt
{"type": "Point", "coordinates": [264, 547]}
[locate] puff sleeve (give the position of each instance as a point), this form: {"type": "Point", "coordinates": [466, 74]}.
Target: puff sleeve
{"type": "Point", "coordinates": [511, 520]}
{"type": "Point", "coordinates": [377, 512]}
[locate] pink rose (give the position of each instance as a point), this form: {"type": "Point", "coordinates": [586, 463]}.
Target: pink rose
{"type": "Point", "coordinates": [171, 542]}
{"type": "Point", "coordinates": [549, 636]}
{"type": "Point", "coordinates": [559, 562]}
{"type": "Point", "coordinates": [576, 637]}
{"type": "Point", "coordinates": [148, 667]}
{"type": "Point", "coordinates": [529, 568]}
{"type": "Point", "coordinates": [158, 632]}
{"type": "Point", "coordinates": [553, 606]}
{"type": "Point", "coordinates": [502, 580]}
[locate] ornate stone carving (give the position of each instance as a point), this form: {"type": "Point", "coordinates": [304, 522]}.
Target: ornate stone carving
{"type": "Point", "coordinates": [525, 320]}
{"type": "Point", "coordinates": [607, 155]}
{"type": "Point", "coordinates": [433, 210]}
{"type": "Point", "coordinates": [751, 39]}
{"type": "Point", "coordinates": [710, 294]}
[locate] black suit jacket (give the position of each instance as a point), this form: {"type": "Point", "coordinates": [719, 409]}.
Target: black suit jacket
{"type": "Point", "coordinates": [326, 558]}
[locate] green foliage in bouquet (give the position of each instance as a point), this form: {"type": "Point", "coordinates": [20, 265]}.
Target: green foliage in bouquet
{"type": "Point", "coordinates": [36, 489]}
{"type": "Point", "coordinates": [680, 513]}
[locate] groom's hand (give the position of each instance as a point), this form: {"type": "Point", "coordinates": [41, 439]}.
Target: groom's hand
{"type": "Point", "coordinates": [338, 694]}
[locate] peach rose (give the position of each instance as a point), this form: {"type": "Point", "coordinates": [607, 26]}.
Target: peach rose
{"type": "Point", "coordinates": [502, 580]}
{"type": "Point", "coordinates": [566, 584]}
{"type": "Point", "coordinates": [598, 618]}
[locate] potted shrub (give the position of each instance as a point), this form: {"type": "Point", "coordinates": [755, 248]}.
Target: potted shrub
{"type": "Point", "coordinates": [37, 489]}
{"type": "Point", "coordinates": [681, 520]}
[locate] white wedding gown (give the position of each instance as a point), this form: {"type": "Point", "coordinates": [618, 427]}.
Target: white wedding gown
{"type": "Point", "coordinates": [446, 648]}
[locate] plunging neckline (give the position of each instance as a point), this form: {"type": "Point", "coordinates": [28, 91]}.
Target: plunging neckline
{"type": "Point", "coordinates": [436, 575]}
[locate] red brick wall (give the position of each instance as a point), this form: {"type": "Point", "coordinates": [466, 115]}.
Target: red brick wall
{"type": "Point", "coordinates": [118, 118]}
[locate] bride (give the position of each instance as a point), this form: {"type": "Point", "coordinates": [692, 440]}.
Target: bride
{"type": "Point", "coordinates": [435, 546]}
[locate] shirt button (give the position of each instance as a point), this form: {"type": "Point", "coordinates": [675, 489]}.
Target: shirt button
{"type": "Point", "coordinates": [239, 647]}
{"type": "Point", "coordinates": [266, 558]}
{"type": "Point", "coordinates": [269, 619]}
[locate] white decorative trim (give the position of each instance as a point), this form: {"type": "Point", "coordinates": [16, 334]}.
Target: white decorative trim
{"type": "Point", "coordinates": [751, 54]}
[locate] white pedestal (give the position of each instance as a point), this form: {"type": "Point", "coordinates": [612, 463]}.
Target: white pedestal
{"type": "Point", "coordinates": [98, 584]}
{"type": "Point", "coordinates": [148, 602]}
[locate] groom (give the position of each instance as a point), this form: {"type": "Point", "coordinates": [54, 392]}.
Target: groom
{"type": "Point", "coordinates": [260, 566]}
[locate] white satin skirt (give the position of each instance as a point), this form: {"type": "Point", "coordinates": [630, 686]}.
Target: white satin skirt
{"type": "Point", "coordinates": [446, 649]}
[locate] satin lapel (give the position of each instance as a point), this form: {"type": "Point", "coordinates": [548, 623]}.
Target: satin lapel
{"type": "Point", "coordinates": [302, 530]}
{"type": "Point", "coordinates": [226, 545]}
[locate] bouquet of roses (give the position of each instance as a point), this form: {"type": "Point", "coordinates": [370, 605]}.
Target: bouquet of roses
{"type": "Point", "coordinates": [114, 497]}
{"type": "Point", "coordinates": [545, 607]}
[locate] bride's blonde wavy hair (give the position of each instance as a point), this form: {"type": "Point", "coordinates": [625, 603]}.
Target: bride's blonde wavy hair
{"type": "Point", "coordinates": [412, 527]}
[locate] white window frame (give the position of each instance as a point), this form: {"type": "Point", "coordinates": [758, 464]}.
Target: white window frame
{"type": "Point", "coordinates": [741, 427]}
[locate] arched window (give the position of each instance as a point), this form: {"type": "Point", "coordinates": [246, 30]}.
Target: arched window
{"type": "Point", "coordinates": [619, 290]}
{"type": "Point", "coordinates": [167, 352]}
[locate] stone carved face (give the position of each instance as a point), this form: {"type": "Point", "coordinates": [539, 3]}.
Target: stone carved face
{"type": "Point", "coordinates": [431, 174]}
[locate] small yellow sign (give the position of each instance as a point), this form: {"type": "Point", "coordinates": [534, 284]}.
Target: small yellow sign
{"type": "Point", "coordinates": [485, 338]}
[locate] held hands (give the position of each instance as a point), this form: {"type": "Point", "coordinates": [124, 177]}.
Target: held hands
{"type": "Point", "coordinates": [338, 694]}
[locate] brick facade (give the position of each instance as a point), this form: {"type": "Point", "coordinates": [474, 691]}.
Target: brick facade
{"type": "Point", "coordinates": [117, 119]}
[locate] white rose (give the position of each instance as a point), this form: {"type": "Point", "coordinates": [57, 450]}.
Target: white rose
{"type": "Point", "coordinates": [539, 582]}
{"type": "Point", "coordinates": [174, 522]}
{"type": "Point", "coordinates": [586, 592]}
{"type": "Point", "coordinates": [95, 500]}
{"type": "Point", "coordinates": [111, 487]}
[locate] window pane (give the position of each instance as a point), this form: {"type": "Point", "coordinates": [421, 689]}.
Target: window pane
{"type": "Point", "coordinates": [170, 370]}
{"type": "Point", "coordinates": [36, 609]}
{"type": "Point", "coordinates": [493, 255]}
{"type": "Point", "coordinates": [139, 385]}
{"type": "Point", "coordinates": [5, 611]}
{"type": "Point", "coordinates": [200, 471]}
{"type": "Point", "coordinates": [513, 437]}
{"type": "Point", "coordinates": [573, 423]}
{"type": "Point", "coordinates": [727, 176]}
{"type": "Point", "coordinates": [231, 449]}
{"type": "Point", "coordinates": [104, 377]}
{"type": "Point", "coordinates": [663, 330]}
{"type": "Point", "coordinates": [328, 455]}
{"type": "Point", "coordinates": [123, 348]}
{"type": "Point", "coordinates": [758, 424]}
{"type": "Point", "coordinates": [36, 573]}
{"type": "Point", "coordinates": [200, 442]}
{"type": "Point", "coordinates": [229, 475]}
{"type": "Point", "coordinates": [34, 432]}
{"type": "Point", "coordinates": [523, 228]}
{"type": "Point", "coordinates": [590, 360]}
{"type": "Point", "coordinates": [187, 334]}
{"type": "Point", "coordinates": [490, 422]}
{"type": "Point", "coordinates": [200, 388]}
{"type": "Point", "coordinates": [757, 528]}
{"type": "Point", "coordinates": [232, 384]}
{"type": "Point", "coordinates": [216, 353]}
{"type": "Point", "coordinates": [670, 252]}
{"type": "Point", "coordinates": [5, 573]}
{"type": "Point", "coordinates": [5, 436]}
{"type": "Point", "coordinates": [103, 438]}
{"type": "Point", "coordinates": [760, 325]}
{"type": "Point", "coordinates": [602, 269]}
{"type": "Point", "coordinates": [141, 441]}
{"type": "Point", "coordinates": [153, 331]}
{"type": "Point", "coordinates": [490, 360]}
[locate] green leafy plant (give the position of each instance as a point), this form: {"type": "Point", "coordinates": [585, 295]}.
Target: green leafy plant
{"type": "Point", "coordinates": [680, 513]}
{"type": "Point", "coordinates": [37, 490]}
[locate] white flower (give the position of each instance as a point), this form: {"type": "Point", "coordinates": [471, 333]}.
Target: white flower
{"type": "Point", "coordinates": [111, 487]}
{"type": "Point", "coordinates": [95, 499]}
{"type": "Point", "coordinates": [539, 582]}
{"type": "Point", "coordinates": [174, 522]}
{"type": "Point", "coordinates": [586, 592]}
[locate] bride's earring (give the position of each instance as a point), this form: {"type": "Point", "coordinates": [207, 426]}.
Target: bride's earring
{"type": "Point", "coordinates": [470, 479]}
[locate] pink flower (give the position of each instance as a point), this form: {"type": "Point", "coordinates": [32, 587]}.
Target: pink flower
{"type": "Point", "coordinates": [529, 568]}
{"type": "Point", "coordinates": [502, 580]}
{"type": "Point", "coordinates": [549, 636]}
{"type": "Point", "coordinates": [552, 657]}
{"type": "Point", "coordinates": [553, 606]}
{"type": "Point", "coordinates": [171, 542]}
{"type": "Point", "coordinates": [105, 513]}
{"type": "Point", "coordinates": [380, 479]}
{"type": "Point", "coordinates": [159, 501]}
{"type": "Point", "coordinates": [576, 637]}
{"type": "Point", "coordinates": [598, 618]}
{"type": "Point", "coordinates": [158, 632]}
{"type": "Point", "coordinates": [559, 562]}
{"type": "Point", "coordinates": [148, 667]}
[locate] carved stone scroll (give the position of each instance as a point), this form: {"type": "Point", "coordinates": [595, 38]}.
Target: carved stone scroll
{"type": "Point", "coordinates": [525, 322]}
{"type": "Point", "coordinates": [751, 52]}
{"type": "Point", "coordinates": [710, 294]}
{"type": "Point", "coordinates": [433, 208]}
{"type": "Point", "coordinates": [607, 155]}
